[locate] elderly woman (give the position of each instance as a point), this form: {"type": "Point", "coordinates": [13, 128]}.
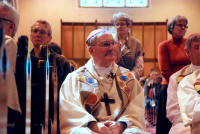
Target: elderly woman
{"type": "Point", "coordinates": [171, 58]}
{"type": "Point", "coordinates": [132, 52]}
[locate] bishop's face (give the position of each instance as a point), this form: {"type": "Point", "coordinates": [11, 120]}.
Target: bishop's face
{"type": "Point", "coordinates": [104, 52]}
{"type": "Point", "coordinates": [40, 35]}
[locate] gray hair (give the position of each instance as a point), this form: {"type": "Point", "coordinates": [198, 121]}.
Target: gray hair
{"type": "Point", "coordinates": [123, 16]}
{"type": "Point", "coordinates": [8, 12]}
{"type": "Point", "coordinates": [44, 22]}
{"type": "Point", "coordinates": [172, 22]}
{"type": "Point", "coordinates": [192, 38]}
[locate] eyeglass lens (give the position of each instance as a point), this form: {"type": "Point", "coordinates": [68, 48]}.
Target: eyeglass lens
{"type": "Point", "coordinates": [122, 24]}
{"type": "Point", "coordinates": [107, 44]}
{"type": "Point", "coordinates": [182, 25]}
{"type": "Point", "coordinates": [43, 32]}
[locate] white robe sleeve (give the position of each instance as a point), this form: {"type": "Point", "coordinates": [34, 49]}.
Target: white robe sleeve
{"type": "Point", "coordinates": [11, 49]}
{"type": "Point", "coordinates": [173, 110]}
{"type": "Point", "coordinates": [189, 102]}
{"type": "Point", "coordinates": [77, 116]}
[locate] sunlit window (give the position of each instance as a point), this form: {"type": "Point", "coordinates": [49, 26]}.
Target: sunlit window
{"type": "Point", "coordinates": [113, 3]}
{"type": "Point", "coordinates": [136, 3]}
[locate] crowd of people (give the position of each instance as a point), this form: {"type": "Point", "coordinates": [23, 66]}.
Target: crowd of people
{"type": "Point", "coordinates": [105, 96]}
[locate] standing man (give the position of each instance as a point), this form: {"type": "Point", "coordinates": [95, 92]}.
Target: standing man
{"type": "Point", "coordinates": [9, 20]}
{"type": "Point", "coordinates": [41, 34]}
{"type": "Point", "coordinates": [189, 89]}
{"type": "Point", "coordinates": [173, 110]}
{"type": "Point", "coordinates": [101, 97]}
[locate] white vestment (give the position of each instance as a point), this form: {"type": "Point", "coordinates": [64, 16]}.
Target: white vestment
{"type": "Point", "coordinates": [173, 110]}
{"type": "Point", "coordinates": [81, 94]}
{"type": "Point", "coordinates": [10, 85]}
{"type": "Point", "coordinates": [189, 101]}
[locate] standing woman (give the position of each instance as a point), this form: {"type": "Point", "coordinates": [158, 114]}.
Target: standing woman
{"type": "Point", "coordinates": [132, 53]}
{"type": "Point", "coordinates": [171, 58]}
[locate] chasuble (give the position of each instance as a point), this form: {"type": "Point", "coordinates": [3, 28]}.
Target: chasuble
{"type": "Point", "coordinates": [85, 97]}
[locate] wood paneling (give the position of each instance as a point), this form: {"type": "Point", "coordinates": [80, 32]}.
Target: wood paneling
{"type": "Point", "coordinates": [74, 35]}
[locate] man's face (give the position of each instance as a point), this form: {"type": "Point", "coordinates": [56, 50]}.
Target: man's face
{"type": "Point", "coordinates": [180, 29]}
{"type": "Point", "coordinates": [39, 35]}
{"type": "Point", "coordinates": [104, 52]}
{"type": "Point", "coordinates": [194, 53]}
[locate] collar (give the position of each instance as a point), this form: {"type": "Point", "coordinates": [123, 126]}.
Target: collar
{"type": "Point", "coordinates": [90, 67]}
{"type": "Point", "coordinates": [194, 67]}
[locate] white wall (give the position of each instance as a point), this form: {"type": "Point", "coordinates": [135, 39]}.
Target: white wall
{"type": "Point", "coordinates": [68, 10]}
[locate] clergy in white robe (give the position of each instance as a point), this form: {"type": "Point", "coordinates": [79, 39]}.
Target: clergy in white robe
{"type": "Point", "coordinates": [189, 101]}
{"type": "Point", "coordinates": [173, 110]}
{"type": "Point", "coordinates": [9, 20]}
{"type": "Point", "coordinates": [187, 92]}
{"type": "Point", "coordinates": [101, 97]}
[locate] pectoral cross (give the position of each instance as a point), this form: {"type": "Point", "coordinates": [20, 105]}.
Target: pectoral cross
{"type": "Point", "coordinates": [107, 101]}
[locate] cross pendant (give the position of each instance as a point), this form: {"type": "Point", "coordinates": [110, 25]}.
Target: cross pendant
{"type": "Point", "coordinates": [107, 101]}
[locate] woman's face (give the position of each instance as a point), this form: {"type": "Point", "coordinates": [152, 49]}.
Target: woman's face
{"type": "Point", "coordinates": [121, 26]}
{"type": "Point", "coordinates": [180, 29]}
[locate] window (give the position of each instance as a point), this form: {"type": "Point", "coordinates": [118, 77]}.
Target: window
{"type": "Point", "coordinates": [113, 3]}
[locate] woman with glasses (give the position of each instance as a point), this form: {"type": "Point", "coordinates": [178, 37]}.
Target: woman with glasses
{"type": "Point", "coordinates": [171, 58]}
{"type": "Point", "coordinates": [132, 52]}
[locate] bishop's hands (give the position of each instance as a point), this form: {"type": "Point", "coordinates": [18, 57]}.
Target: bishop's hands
{"type": "Point", "coordinates": [108, 127]}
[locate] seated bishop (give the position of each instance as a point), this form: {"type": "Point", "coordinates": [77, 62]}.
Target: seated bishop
{"type": "Point", "coordinates": [101, 97]}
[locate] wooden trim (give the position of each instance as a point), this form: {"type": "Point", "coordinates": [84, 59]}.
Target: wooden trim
{"type": "Point", "coordinates": [108, 24]}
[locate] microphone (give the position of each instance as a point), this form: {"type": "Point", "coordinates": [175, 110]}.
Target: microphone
{"type": "Point", "coordinates": [111, 75]}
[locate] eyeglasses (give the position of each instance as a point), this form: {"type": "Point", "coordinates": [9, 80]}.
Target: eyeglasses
{"type": "Point", "coordinates": [2, 19]}
{"type": "Point", "coordinates": [42, 32]}
{"type": "Point", "coordinates": [181, 25]}
{"type": "Point", "coordinates": [107, 43]}
{"type": "Point", "coordinates": [122, 24]}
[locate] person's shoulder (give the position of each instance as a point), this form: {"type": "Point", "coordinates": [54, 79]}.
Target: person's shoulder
{"type": "Point", "coordinates": [179, 75]}
{"type": "Point", "coordinates": [183, 71]}
{"type": "Point", "coordinates": [10, 41]}
{"type": "Point", "coordinates": [195, 76]}
{"type": "Point", "coordinates": [126, 72]}
{"type": "Point", "coordinates": [81, 70]}
{"type": "Point", "coordinates": [133, 39]}
{"type": "Point", "coordinates": [123, 70]}
{"type": "Point", "coordinates": [62, 58]}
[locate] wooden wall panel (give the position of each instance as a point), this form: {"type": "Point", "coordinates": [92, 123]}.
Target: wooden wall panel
{"type": "Point", "coordinates": [79, 44]}
{"type": "Point", "coordinates": [88, 30]}
{"type": "Point", "coordinates": [148, 66]}
{"type": "Point", "coordinates": [74, 35]}
{"type": "Point", "coordinates": [161, 35]}
{"type": "Point", "coordinates": [136, 32]}
{"type": "Point", "coordinates": [149, 41]}
{"type": "Point", "coordinates": [66, 42]}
